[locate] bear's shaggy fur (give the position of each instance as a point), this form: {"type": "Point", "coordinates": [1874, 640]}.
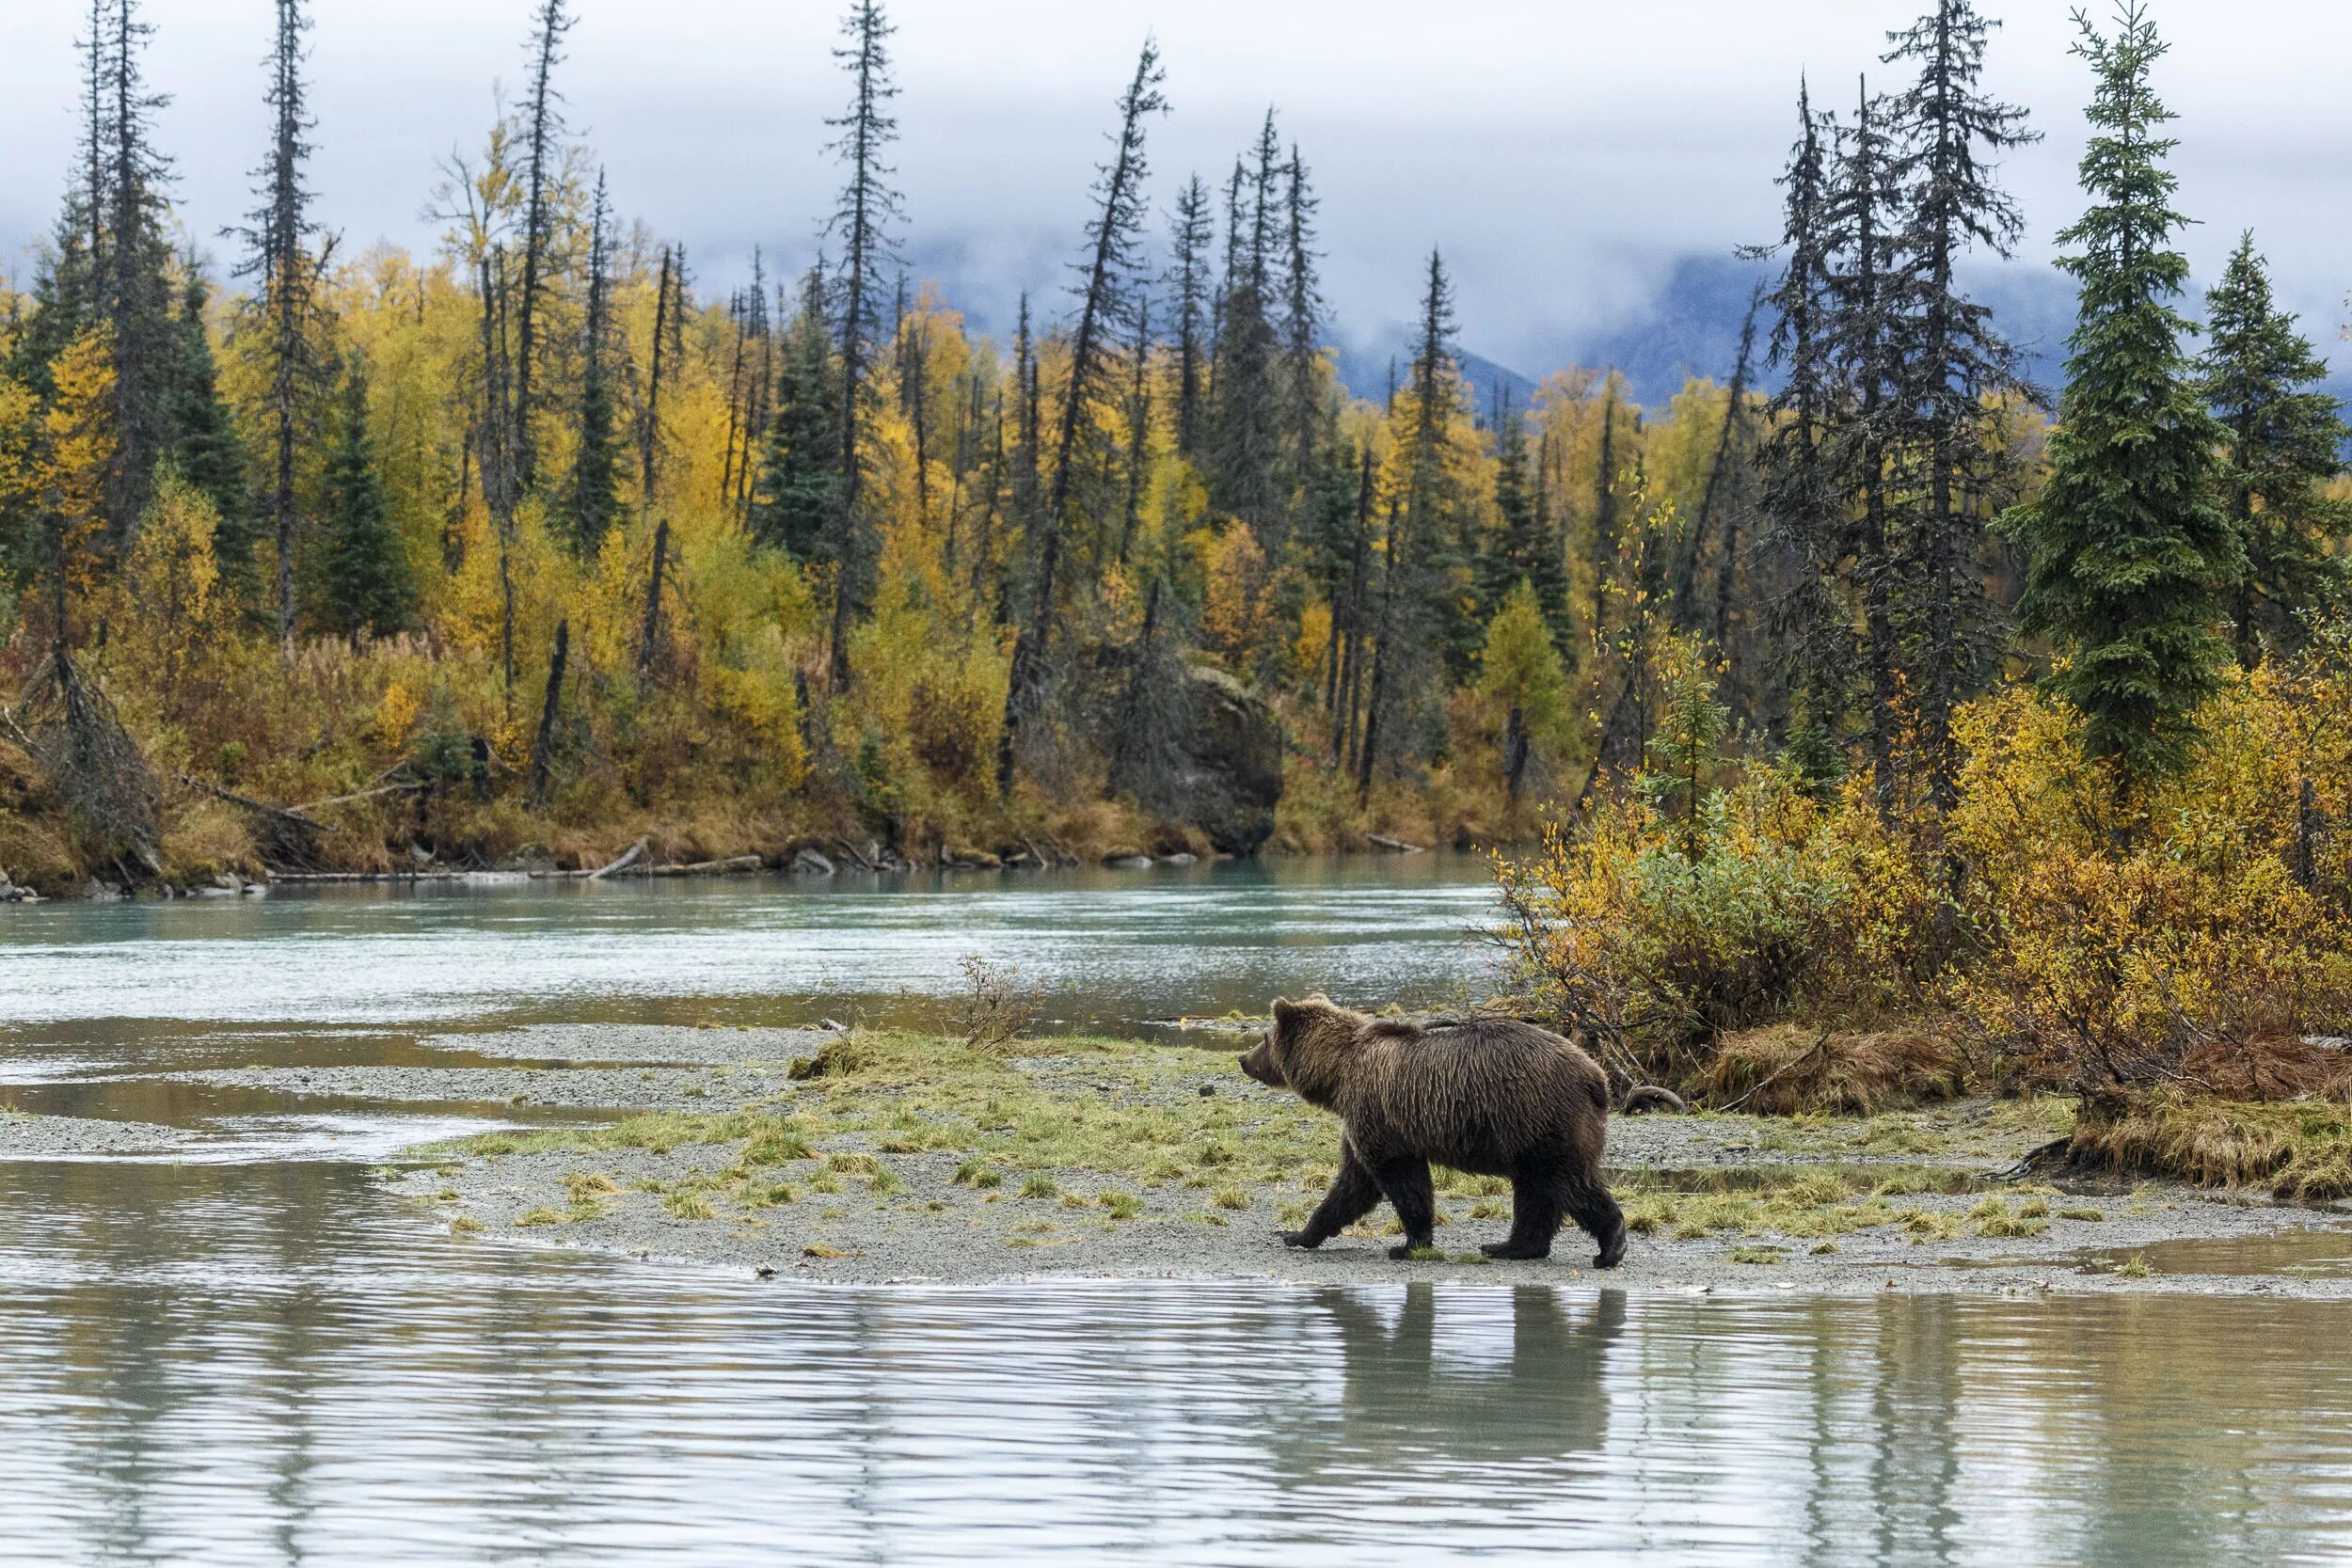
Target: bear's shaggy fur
{"type": "Point", "coordinates": [1493, 1096]}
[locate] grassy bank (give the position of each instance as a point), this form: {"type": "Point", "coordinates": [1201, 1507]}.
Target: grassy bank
{"type": "Point", "coordinates": [883, 1154]}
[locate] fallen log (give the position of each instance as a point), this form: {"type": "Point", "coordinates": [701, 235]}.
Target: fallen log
{"type": "Point", "coordinates": [1396, 844]}
{"type": "Point", "coordinates": [635, 853]}
{"type": "Point", "coordinates": [404, 787]}
{"type": "Point", "coordinates": [732, 866]}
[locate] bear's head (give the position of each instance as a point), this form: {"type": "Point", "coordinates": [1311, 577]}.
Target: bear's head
{"type": "Point", "coordinates": [1305, 1049]}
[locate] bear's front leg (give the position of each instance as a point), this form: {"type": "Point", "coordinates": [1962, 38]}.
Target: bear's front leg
{"type": "Point", "coordinates": [1407, 1184]}
{"type": "Point", "coordinates": [1352, 1194]}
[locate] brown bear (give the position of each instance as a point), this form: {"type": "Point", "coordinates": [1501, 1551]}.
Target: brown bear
{"type": "Point", "coordinates": [1489, 1096]}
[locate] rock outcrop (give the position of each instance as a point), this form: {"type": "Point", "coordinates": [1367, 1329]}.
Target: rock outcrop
{"type": "Point", "coordinates": [1232, 769]}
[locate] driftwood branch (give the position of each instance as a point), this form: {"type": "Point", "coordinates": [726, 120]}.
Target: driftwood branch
{"type": "Point", "coordinates": [406, 786]}
{"type": "Point", "coordinates": [707, 868]}
{"type": "Point", "coordinates": [291, 815]}
{"type": "Point", "coordinates": [635, 853]}
{"type": "Point", "coordinates": [1396, 845]}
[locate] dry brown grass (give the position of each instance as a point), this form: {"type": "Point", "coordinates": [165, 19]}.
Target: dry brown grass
{"type": "Point", "coordinates": [2279, 1068]}
{"type": "Point", "coordinates": [2300, 1151]}
{"type": "Point", "coordinates": [1783, 1069]}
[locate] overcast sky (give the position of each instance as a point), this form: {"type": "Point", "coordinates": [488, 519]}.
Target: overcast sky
{"type": "Point", "coordinates": [1564, 153]}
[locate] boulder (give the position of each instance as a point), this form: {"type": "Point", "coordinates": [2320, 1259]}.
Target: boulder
{"type": "Point", "coordinates": [1234, 762]}
{"type": "Point", "coordinates": [808, 863]}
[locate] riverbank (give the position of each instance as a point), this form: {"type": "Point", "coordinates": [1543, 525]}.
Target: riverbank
{"type": "Point", "coordinates": [885, 1157]}
{"type": "Point", "coordinates": [800, 859]}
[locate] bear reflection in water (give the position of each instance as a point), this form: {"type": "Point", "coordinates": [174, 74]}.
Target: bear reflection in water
{"type": "Point", "coordinates": [1432, 1377]}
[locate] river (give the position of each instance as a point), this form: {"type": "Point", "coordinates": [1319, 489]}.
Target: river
{"type": "Point", "coordinates": [235, 1348]}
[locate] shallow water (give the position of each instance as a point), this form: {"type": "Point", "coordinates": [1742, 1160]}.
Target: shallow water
{"type": "Point", "coordinates": [1111, 948]}
{"type": "Point", "coordinates": [240, 1350]}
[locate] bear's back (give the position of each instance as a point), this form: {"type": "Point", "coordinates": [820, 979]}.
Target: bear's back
{"type": "Point", "coordinates": [1465, 1089]}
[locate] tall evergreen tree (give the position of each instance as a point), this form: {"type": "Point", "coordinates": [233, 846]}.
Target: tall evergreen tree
{"type": "Point", "coordinates": [1420, 606]}
{"type": "Point", "coordinates": [1244, 455]}
{"type": "Point", "coordinates": [543, 157]}
{"type": "Point", "coordinates": [861, 221]}
{"type": "Point", "coordinates": [134, 286]}
{"type": "Point", "coordinates": [1862, 210]}
{"type": "Point", "coordinates": [2282, 446]}
{"type": "Point", "coordinates": [1525, 549]}
{"type": "Point", "coordinates": [2129, 552]}
{"type": "Point", "coordinates": [1601, 548]}
{"type": "Point", "coordinates": [1106, 301]}
{"type": "Point", "coordinates": [1806, 533]}
{"type": "Point", "coordinates": [364, 586]}
{"type": "Point", "coordinates": [1302, 323]}
{"type": "Point", "coordinates": [1027, 467]}
{"type": "Point", "coordinates": [206, 450]}
{"type": "Point", "coordinates": [796, 506]}
{"type": "Point", "coordinates": [595, 502]}
{"type": "Point", "coordinates": [1952, 357]}
{"type": "Point", "coordinates": [1190, 236]}
{"type": "Point", "coordinates": [284, 326]}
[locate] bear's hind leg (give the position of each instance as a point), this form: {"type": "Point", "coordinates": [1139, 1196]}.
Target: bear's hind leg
{"type": "Point", "coordinates": [1407, 1182]}
{"type": "Point", "coordinates": [1540, 1199]}
{"type": "Point", "coordinates": [1351, 1197]}
{"type": "Point", "coordinates": [1591, 1207]}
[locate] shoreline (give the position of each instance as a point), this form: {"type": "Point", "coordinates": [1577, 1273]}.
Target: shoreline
{"type": "Point", "coordinates": [1187, 1170]}
{"type": "Point", "coordinates": [796, 863]}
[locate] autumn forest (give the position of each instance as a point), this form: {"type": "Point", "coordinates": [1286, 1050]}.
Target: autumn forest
{"type": "Point", "coordinates": [1862, 669]}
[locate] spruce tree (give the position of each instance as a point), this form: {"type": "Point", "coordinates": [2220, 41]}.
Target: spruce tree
{"type": "Point", "coordinates": [1805, 531]}
{"type": "Point", "coordinates": [133, 259]}
{"type": "Point", "coordinates": [1245, 457]}
{"type": "Point", "coordinates": [1190, 235]}
{"type": "Point", "coordinates": [543, 158]}
{"type": "Point", "coordinates": [861, 220]}
{"type": "Point", "coordinates": [2281, 446]}
{"type": "Point", "coordinates": [2129, 551]}
{"type": "Point", "coordinates": [364, 587]}
{"type": "Point", "coordinates": [1106, 303]}
{"type": "Point", "coordinates": [206, 451]}
{"type": "Point", "coordinates": [1862, 209]}
{"type": "Point", "coordinates": [593, 502]}
{"type": "Point", "coordinates": [1302, 323]}
{"type": "Point", "coordinates": [796, 501]}
{"type": "Point", "coordinates": [283, 324]}
{"type": "Point", "coordinates": [1524, 548]}
{"type": "Point", "coordinates": [1952, 359]}
{"type": "Point", "coordinates": [1423, 624]}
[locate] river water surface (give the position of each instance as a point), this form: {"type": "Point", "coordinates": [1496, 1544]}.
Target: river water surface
{"type": "Point", "coordinates": [235, 1348]}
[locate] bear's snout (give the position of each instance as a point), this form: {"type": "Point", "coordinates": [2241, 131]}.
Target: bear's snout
{"type": "Point", "coordinates": [1257, 1062]}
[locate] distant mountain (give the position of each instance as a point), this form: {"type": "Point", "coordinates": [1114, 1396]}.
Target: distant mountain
{"type": "Point", "coordinates": [1691, 328]}
{"type": "Point", "coordinates": [1365, 371]}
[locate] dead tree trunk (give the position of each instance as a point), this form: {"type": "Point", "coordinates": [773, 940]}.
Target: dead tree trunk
{"type": "Point", "coordinates": [543, 748]}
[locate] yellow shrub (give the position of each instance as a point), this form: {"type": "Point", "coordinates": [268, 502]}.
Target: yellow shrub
{"type": "Point", "coordinates": [2130, 938]}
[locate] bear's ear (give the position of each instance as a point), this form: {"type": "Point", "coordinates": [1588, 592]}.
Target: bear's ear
{"type": "Point", "coordinates": [1285, 1013]}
